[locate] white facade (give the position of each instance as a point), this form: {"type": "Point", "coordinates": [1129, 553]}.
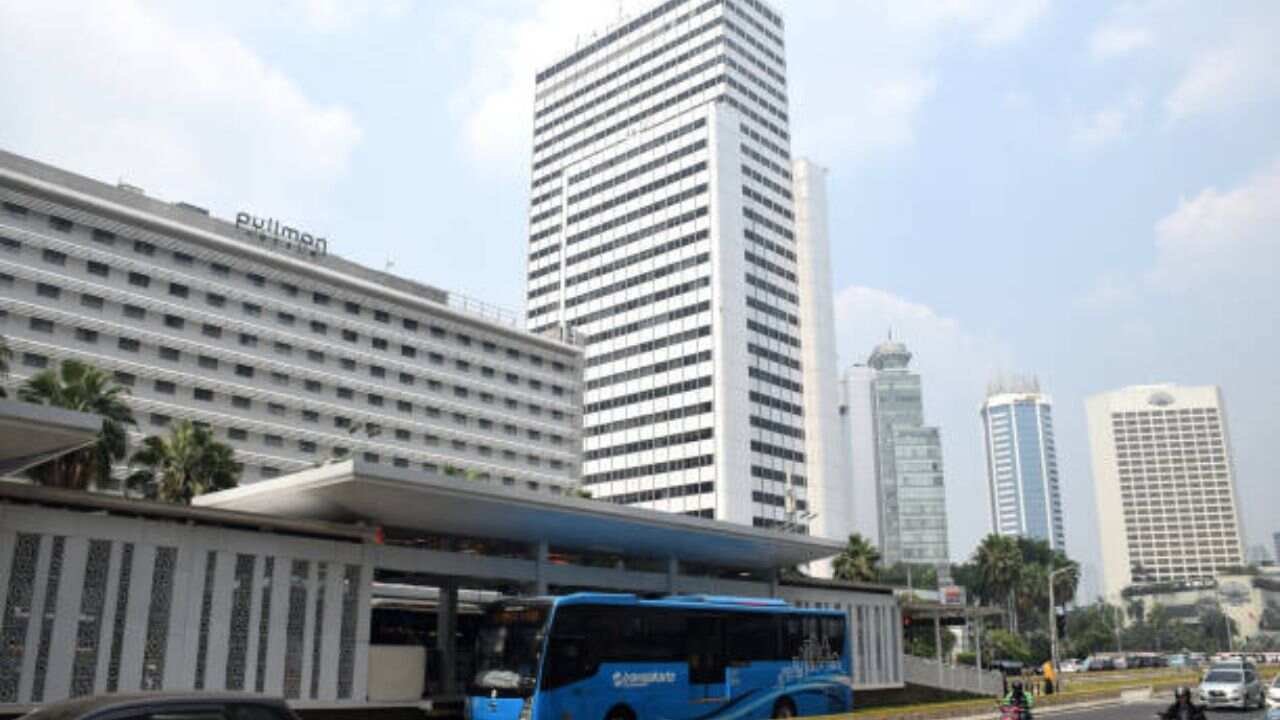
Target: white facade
{"type": "Point", "coordinates": [857, 426]}
{"type": "Point", "coordinates": [662, 234]}
{"type": "Point", "coordinates": [1164, 483]}
{"type": "Point", "coordinates": [831, 494]}
{"type": "Point", "coordinates": [293, 359]}
{"type": "Point", "coordinates": [1023, 490]}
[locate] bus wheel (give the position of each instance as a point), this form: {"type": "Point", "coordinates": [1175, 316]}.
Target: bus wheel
{"type": "Point", "coordinates": [784, 708]}
{"type": "Point", "coordinates": [620, 712]}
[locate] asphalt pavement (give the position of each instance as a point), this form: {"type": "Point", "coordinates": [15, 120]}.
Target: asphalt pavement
{"type": "Point", "coordinates": [1147, 711]}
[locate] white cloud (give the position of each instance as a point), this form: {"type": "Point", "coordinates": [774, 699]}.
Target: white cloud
{"type": "Point", "coordinates": [329, 16]}
{"type": "Point", "coordinates": [1108, 124]}
{"type": "Point", "coordinates": [955, 364]}
{"type": "Point", "coordinates": [1223, 242]}
{"type": "Point", "coordinates": [116, 89]}
{"type": "Point", "coordinates": [1113, 41]}
{"type": "Point", "coordinates": [1224, 78]}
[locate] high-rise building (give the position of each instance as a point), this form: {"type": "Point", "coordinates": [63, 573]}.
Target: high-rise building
{"type": "Point", "coordinates": [1022, 463]}
{"type": "Point", "coordinates": [663, 234]}
{"type": "Point", "coordinates": [858, 428]}
{"type": "Point", "coordinates": [1276, 538]}
{"type": "Point", "coordinates": [910, 494]}
{"type": "Point", "coordinates": [287, 353]}
{"type": "Point", "coordinates": [1164, 484]}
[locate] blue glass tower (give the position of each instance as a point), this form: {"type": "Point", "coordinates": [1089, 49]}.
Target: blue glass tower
{"type": "Point", "coordinates": [1022, 464]}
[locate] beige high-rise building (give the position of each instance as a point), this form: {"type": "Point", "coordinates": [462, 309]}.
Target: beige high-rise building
{"type": "Point", "coordinates": [1164, 483]}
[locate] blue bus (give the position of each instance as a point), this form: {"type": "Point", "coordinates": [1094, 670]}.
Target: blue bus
{"type": "Point", "coordinates": [595, 656]}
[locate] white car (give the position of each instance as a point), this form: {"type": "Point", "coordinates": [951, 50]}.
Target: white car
{"type": "Point", "coordinates": [1273, 693]}
{"type": "Point", "coordinates": [1074, 666]}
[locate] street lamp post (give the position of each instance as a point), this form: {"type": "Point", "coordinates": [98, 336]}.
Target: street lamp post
{"type": "Point", "coordinates": [1053, 623]}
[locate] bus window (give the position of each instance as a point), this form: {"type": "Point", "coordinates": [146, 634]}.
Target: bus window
{"type": "Point", "coordinates": [508, 649]}
{"type": "Point", "coordinates": [752, 636]}
{"type": "Point", "coordinates": [706, 649]}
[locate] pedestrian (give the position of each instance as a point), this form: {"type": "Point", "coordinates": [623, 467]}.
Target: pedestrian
{"type": "Point", "coordinates": [1050, 677]}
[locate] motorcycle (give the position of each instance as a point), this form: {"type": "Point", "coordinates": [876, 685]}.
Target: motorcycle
{"type": "Point", "coordinates": [1014, 712]}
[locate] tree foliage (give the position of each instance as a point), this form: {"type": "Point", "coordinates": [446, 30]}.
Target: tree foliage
{"type": "Point", "coordinates": [186, 463]}
{"type": "Point", "coordinates": [81, 387]}
{"type": "Point", "coordinates": [858, 562]}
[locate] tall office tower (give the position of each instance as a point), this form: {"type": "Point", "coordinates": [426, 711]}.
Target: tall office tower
{"type": "Point", "coordinates": [830, 494]}
{"type": "Point", "coordinates": [911, 495]}
{"type": "Point", "coordinates": [1022, 462]}
{"type": "Point", "coordinates": [857, 427]}
{"type": "Point", "coordinates": [662, 234]}
{"type": "Point", "coordinates": [1276, 538]}
{"type": "Point", "coordinates": [1164, 484]}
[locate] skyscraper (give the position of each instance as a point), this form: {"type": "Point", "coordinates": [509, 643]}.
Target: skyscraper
{"type": "Point", "coordinates": [663, 233]}
{"type": "Point", "coordinates": [910, 494]}
{"type": "Point", "coordinates": [1276, 537]}
{"type": "Point", "coordinates": [1022, 463]}
{"type": "Point", "coordinates": [1164, 483]}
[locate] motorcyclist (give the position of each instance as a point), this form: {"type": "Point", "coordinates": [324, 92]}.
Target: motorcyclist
{"type": "Point", "coordinates": [1183, 708]}
{"type": "Point", "coordinates": [1020, 698]}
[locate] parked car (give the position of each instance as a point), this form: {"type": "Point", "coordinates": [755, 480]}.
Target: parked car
{"type": "Point", "coordinates": [170, 706]}
{"type": "Point", "coordinates": [1177, 661]}
{"type": "Point", "coordinates": [1232, 687]}
{"type": "Point", "coordinates": [1070, 666]}
{"type": "Point", "coordinates": [1273, 693]}
{"type": "Point", "coordinates": [1095, 664]}
{"type": "Point", "coordinates": [1008, 667]}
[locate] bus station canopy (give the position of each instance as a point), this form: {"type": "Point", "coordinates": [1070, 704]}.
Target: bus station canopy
{"type": "Point", "coordinates": [375, 494]}
{"type": "Point", "coordinates": [31, 434]}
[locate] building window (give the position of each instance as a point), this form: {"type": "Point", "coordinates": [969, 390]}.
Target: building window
{"type": "Point", "coordinates": [379, 344]}
{"type": "Point", "coordinates": [285, 318]}
{"type": "Point", "coordinates": [319, 328]}
{"type": "Point", "coordinates": [124, 378]}
{"type": "Point", "coordinates": [347, 363]}
{"type": "Point", "coordinates": [53, 257]}
{"type": "Point", "coordinates": [251, 309]}
{"type": "Point", "coordinates": [306, 446]}
{"type": "Point", "coordinates": [345, 393]}
{"type": "Point", "coordinates": [351, 308]}
{"type": "Point", "coordinates": [144, 248]}
{"type": "Point", "coordinates": [219, 269]}
{"type": "Point", "coordinates": [40, 325]}
{"type": "Point", "coordinates": [139, 280]}
{"type": "Point", "coordinates": [320, 298]}
{"type": "Point", "coordinates": [315, 356]}
{"type": "Point", "coordinates": [133, 312]}
{"type": "Point", "coordinates": [237, 434]}
{"type": "Point", "coordinates": [375, 400]}
{"type": "Point", "coordinates": [377, 371]}
{"type": "Point", "coordinates": [86, 335]}
{"type": "Point", "coordinates": [202, 394]}
{"type": "Point", "coordinates": [164, 387]}
{"type": "Point", "coordinates": [215, 300]}
{"type": "Point", "coordinates": [408, 351]}
{"type": "Point", "coordinates": [179, 290]}
{"type": "Point", "coordinates": [182, 258]}
{"type": "Point", "coordinates": [208, 363]}
{"type": "Point", "coordinates": [99, 269]}
{"type": "Point", "coordinates": [169, 354]}
{"type": "Point", "coordinates": [404, 406]}
{"type": "Point", "coordinates": [175, 322]}
{"type": "Point", "coordinates": [350, 335]}
{"type": "Point", "coordinates": [60, 224]}
{"type": "Point", "coordinates": [48, 291]}
{"type": "Point", "coordinates": [32, 360]}
{"type": "Point", "coordinates": [381, 316]}
{"type": "Point", "coordinates": [91, 301]}
{"type": "Point", "coordinates": [406, 379]}
{"type": "Point", "coordinates": [255, 279]}
{"type": "Point", "coordinates": [244, 371]}
{"type": "Point", "coordinates": [280, 378]}
{"type": "Point", "coordinates": [241, 402]}
{"type": "Point", "coordinates": [248, 340]}
{"type": "Point", "coordinates": [289, 289]}
{"type": "Point", "coordinates": [272, 440]}
{"type": "Point", "coordinates": [311, 416]}
{"type": "Point", "coordinates": [128, 344]}
{"type": "Point", "coordinates": [410, 325]}
{"type": "Point", "coordinates": [160, 420]}
{"type": "Point", "coordinates": [212, 331]}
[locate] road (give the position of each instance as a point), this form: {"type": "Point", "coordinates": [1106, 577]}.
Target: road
{"type": "Point", "coordinates": [1147, 711]}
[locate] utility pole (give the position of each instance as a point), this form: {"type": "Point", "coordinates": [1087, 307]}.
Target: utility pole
{"type": "Point", "coordinates": [1053, 622]}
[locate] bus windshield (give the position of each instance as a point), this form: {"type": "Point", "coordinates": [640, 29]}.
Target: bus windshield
{"type": "Point", "coordinates": [508, 648]}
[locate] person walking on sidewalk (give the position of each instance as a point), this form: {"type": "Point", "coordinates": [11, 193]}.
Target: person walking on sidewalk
{"type": "Point", "coordinates": [1050, 678]}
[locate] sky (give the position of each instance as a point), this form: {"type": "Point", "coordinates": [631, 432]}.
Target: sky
{"type": "Point", "coordinates": [1085, 192]}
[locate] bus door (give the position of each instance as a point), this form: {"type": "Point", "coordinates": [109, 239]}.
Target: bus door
{"type": "Point", "coordinates": [708, 682]}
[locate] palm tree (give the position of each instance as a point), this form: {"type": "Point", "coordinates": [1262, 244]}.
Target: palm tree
{"type": "Point", "coordinates": [858, 562]}
{"type": "Point", "coordinates": [999, 561]}
{"type": "Point", "coordinates": [187, 463]}
{"type": "Point", "coordinates": [83, 388]}
{"type": "Point", "coordinates": [5, 354]}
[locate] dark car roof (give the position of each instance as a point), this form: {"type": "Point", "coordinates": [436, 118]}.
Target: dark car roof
{"type": "Point", "coordinates": [81, 707]}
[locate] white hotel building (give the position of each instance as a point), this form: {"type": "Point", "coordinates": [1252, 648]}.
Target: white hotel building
{"type": "Point", "coordinates": [667, 233]}
{"type": "Point", "coordinates": [1164, 482]}
{"type": "Point", "coordinates": [292, 356]}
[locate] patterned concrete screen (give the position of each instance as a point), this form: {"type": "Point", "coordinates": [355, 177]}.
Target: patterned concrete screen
{"type": "Point", "coordinates": [95, 603]}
